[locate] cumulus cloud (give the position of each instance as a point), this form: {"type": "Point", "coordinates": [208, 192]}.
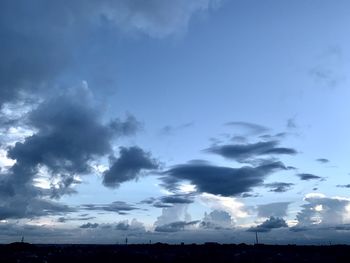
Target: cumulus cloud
{"type": "Point", "coordinates": [176, 213]}
{"type": "Point", "coordinates": [127, 166]}
{"type": "Point", "coordinates": [246, 152]}
{"type": "Point", "coordinates": [133, 226]}
{"type": "Point", "coordinates": [269, 224]}
{"type": "Point", "coordinates": [217, 219]}
{"type": "Point", "coordinates": [322, 210]}
{"type": "Point", "coordinates": [230, 205]}
{"type": "Point", "coordinates": [220, 180]}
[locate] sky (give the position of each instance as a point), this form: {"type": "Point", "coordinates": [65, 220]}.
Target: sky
{"type": "Point", "coordinates": [174, 121]}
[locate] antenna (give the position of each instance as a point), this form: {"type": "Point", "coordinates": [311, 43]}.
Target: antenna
{"type": "Point", "coordinates": [256, 238]}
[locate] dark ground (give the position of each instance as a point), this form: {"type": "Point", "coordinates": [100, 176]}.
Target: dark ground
{"type": "Point", "coordinates": [24, 252]}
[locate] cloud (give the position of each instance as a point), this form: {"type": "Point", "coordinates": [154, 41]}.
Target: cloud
{"type": "Point", "coordinates": [83, 217]}
{"type": "Point", "coordinates": [291, 123]}
{"type": "Point", "coordinates": [171, 130]}
{"type": "Point", "coordinates": [322, 160]}
{"type": "Point", "coordinates": [127, 127]}
{"type": "Point", "coordinates": [217, 219]}
{"type": "Point", "coordinates": [169, 200]}
{"type": "Point", "coordinates": [154, 18]}
{"type": "Point", "coordinates": [177, 199]}
{"type": "Point", "coordinates": [279, 187]}
{"type": "Point", "coordinates": [68, 134]}
{"type": "Point", "coordinates": [27, 206]}
{"type": "Point", "coordinates": [322, 210]}
{"type": "Point", "coordinates": [278, 209]}
{"type": "Point", "coordinates": [269, 224]}
{"type": "Point", "coordinates": [328, 71]}
{"type": "Point", "coordinates": [118, 207]}
{"type": "Point", "coordinates": [343, 185]}
{"type": "Point", "coordinates": [89, 225]}
{"type": "Point", "coordinates": [178, 212]}
{"type": "Point", "coordinates": [230, 205]}
{"type": "Point", "coordinates": [307, 177]}
{"type": "Point", "coordinates": [175, 226]}
{"type": "Point", "coordinates": [127, 166]}
{"type": "Point", "coordinates": [247, 127]}
{"type": "Point", "coordinates": [220, 180]}
{"type": "Point", "coordinates": [245, 152]}
{"type": "Point", "coordinates": [36, 52]}
{"type": "Point", "coordinates": [276, 136]}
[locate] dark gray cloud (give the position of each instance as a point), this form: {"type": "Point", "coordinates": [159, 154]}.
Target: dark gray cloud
{"type": "Point", "coordinates": [343, 185]}
{"type": "Point", "coordinates": [117, 206]}
{"type": "Point", "coordinates": [133, 226]}
{"type": "Point", "coordinates": [127, 166]}
{"type": "Point", "coordinates": [220, 180]}
{"type": "Point", "coordinates": [307, 177]}
{"type": "Point", "coordinates": [278, 209]}
{"type": "Point", "coordinates": [89, 225]}
{"type": "Point", "coordinates": [28, 206]}
{"type": "Point", "coordinates": [37, 52]}
{"type": "Point", "coordinates": [127, 127]}
{"type": "Point", "coordinates": [279, 187]}
{"type": "Point", "coordinates": [84, 217]}
{"type": "Point", "coordinates": [169, 200]}
{"type": "Point", "coordinates": [247, 152]}
{"type": "Point", "coordinates": [68, 135]}
{"type": "Point", "coordinates": [175, 226]}
{"type": "Point", "coordinates": [63, 186]}
{"type": "Point", "coordinates": [269, 224]}
{"type": "Point", "coordinates": [246, 195]}
{"type": "Point", "coordinates": [177, 199]}
{"type": "Point", "coordinates": [322, 160]}
{"type": "Point", "coordinates": [123, 226]}
{"type": "Point", "coordinates": [247, 127]}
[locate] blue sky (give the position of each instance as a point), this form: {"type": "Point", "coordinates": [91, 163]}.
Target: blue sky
{"type": "Point", "coordinates": [171, 121]}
